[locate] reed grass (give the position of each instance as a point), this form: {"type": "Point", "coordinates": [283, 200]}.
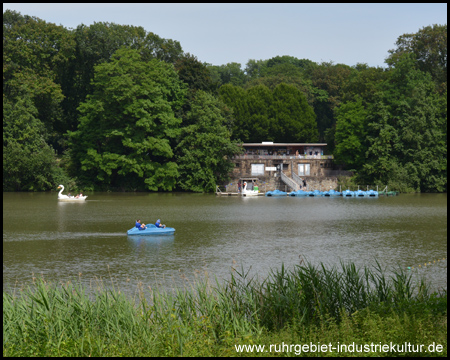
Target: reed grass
{"type": "Point", "coordinates": [207, 318]}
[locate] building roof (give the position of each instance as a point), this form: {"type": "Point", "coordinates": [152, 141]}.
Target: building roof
{"type": "Point", "coordinates": [269, 143]}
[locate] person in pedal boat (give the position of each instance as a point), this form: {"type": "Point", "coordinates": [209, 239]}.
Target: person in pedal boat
{"type": "Point", "coordinates": [159, 225]}
{"type": "Point", "coordinates": [140, 226]}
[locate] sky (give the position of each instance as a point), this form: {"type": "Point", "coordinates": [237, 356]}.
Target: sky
{"type": "Point", "coordinates": [218, 33]}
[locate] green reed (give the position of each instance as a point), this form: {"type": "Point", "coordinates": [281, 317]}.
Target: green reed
{"type": "Point", "coordinates": [50, 320]}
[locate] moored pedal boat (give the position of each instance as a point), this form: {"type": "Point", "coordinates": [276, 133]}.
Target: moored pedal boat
{"type": "Point", "coordinates": [276, 193]}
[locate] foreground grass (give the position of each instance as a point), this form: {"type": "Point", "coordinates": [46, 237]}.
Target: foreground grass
{"type": "Point", "coordinates": [307, 305]}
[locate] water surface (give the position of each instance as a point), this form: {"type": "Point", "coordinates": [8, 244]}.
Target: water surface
{"type": "Point", "coordinates": [64, 241]}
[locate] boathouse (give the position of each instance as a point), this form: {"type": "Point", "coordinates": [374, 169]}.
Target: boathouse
{"type": "Point", "coordinates": [284, 166]}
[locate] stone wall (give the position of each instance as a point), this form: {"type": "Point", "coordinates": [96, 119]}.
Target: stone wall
{"type": "Point", "coordinates": [320, 173]}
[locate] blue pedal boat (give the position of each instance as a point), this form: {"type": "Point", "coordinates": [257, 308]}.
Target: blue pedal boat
{"type": "Point", "coordinates": [298, 193]}
{"type": "Point", "coordinates": [348, 193]}
{"type": "Point", "coordinates": [315, 193]}
{"type": "Point", "coordinates": [372, 193]}
{"type": "Point", "coordinates": [360, 193]}
{"type": "Point", "coordinates": [276, 193]}
{"type": "Point", "coordinates": [151, 230]}
{"type": "Point", "coordinates": [332, 193]}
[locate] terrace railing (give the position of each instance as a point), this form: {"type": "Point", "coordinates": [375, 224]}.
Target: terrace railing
{"type": "Point", "coordinates": [282, 157]}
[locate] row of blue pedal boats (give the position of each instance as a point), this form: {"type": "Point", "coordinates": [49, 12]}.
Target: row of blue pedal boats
{"type": "Point", "coordinates": [330, 193]}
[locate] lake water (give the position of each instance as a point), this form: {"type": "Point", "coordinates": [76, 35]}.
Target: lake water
{"type": "Point", "coordinates": [86, 242]}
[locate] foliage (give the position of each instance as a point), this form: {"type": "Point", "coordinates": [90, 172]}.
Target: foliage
{"type": "Point", "coordinates": [230, 73]}
{"type": "Point", "coordinates": [429, 48]}
{"type": "Point", "coordinates": [351, 129]}
{"type": "Point", "coordinates": [401, 142]}
{"type": "Point", "coordinates": [407, 133]}
{"type": "Point", "coordinates": [123, 137]}
{"type": "Point", "coordinates": [29, 163]}
{"type": "Point", "coordinates": [281, 115]}
{"type": "Point", "coordinates": [295, 119]}
{"type": "Point", "coordinates": [35, 56]}
{"type": "Point", "coordinates": [330, 79]}
{"type": "Point", "coordinates": [194, 73]}
{"type": "Point", "coordinates": [306, 304]}
{"type": "Point", "coordinates": [204, 148]}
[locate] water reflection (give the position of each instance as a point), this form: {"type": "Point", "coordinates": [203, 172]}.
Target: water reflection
{"type": "Point", "coordinates": [150, 242]}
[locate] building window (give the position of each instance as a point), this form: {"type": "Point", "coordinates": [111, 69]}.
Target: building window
{"type": "Point", "coordinates": [303, 169]}
{"type": "Point", "coordinates": [257, 169]}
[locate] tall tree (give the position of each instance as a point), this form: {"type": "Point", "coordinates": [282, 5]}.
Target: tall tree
{"type": "Point", "coordinates": [123, 140]}
{"type": "Point", "coordinates": [330, 78]}
{"type": "Point", "coordinates": [258, 122]}
{"type": "Point", "coordinates": [234, 97]}
{"type": "Point", "coordinates": [429, 48]}
{"type": "Point", "coordinates": [282, 115]}
{"type": "Point", "coordinates": [29, 163]}
{"type": "Point", "coordinates": [351, 132]}
{"type": "Point", "coordinates": [230, 73]}
{"type": "Point", "coordinates": [194, 73]}
{"type": "Point", "coordinates": [35, 55]}
{"type": "Point", "coordinates": [294, 117]}
{"type": "Point", "coordinates": [96, 44]}
{"type": "Point", "coordinates": [204, 150]}
{"type": "Point", "coordinates": [196, 76]}
{"type": "Point", "coordinates": [407, 132]}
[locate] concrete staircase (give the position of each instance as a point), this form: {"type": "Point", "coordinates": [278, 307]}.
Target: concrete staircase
{"type": "Point", "coordinates": [289, 182]}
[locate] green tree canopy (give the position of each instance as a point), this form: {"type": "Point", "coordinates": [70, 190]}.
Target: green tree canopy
{"type": "Point", "coordinates": [230, 73]}
{"type": "Point", "coordinates": [429, 49]}
{"type": "Point", "coordinates": [294, 118]}
{"type": "Point", "coordinates": [204, 151]}
{"type": "Point", "coordinates": [35, 55]}
{"type": "Point", "coordinates": [330, 79]}
{"type": "Point", "coordinates": [29, 163]}
{"type": "Point", "coordinates": [281, 115]}
{"type": "Point", "coordinates": [123, 140]}
{"type": "Point", "coordinates": [407, 132]}
{"type": "Point", "coordinates": [351, 132]}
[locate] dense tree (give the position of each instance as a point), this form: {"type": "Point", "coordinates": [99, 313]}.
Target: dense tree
{"type": "Point", "coordinates": [429, 48]}
{"type": "Point", "coordinates": [363, 84]}
{"type": "Point", "coordinates": [295, 119]}
{"type": "Point", "coordinates": [204, 150]}
{"type": "Point", "coordinates": [29, 163]}
{"type": "Point", "coordinates": [234, 97]}
{"type": "Point", "coordinates": [259, 122]}
{"type": "Point", "coordinates": [194, 73]}
{"type": "Point", "coordinates": [281, 115]}
{"type": "Point", "coordinates": [330, 78]}
{"type": "Point", "coordinates": [96, 44]}
{"type": "Point", "coordinates": [351, 132]}
{"type": "Point", "coordinates": [196, 76]}
{"type": "Point", "coordinates": [254, 68]}
{"type": "Point", "coordinates": [123, 140]}
{"type": "Point", "coordinates": [230, 73]}
{"type": "Point", "coordinates": [388, 124]}
{"type": "Point", "coordinates": [35, 54]}
{"type": "Point", "coordinates": [407, 132]}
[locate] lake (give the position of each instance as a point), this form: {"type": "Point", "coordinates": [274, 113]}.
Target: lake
{"type": "Point", "coordinates": [87, 242]}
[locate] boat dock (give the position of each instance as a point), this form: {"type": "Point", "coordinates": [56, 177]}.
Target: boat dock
{"type": "Point", "coordinates": [358, 193]}
{"type": "Point", "coordinates": [221, 193]}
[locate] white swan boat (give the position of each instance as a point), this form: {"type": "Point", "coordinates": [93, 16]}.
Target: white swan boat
{"type": "Point", "coordinates": [62, 197]}
{"type": "Point", "coordinates": [246, 192]}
